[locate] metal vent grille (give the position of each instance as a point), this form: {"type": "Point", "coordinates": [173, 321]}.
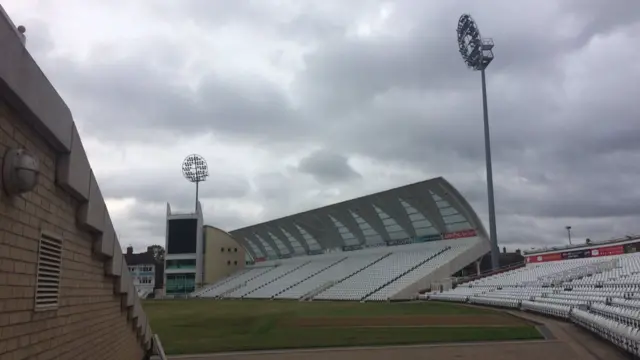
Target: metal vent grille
{"type": "Point", "coordinates": [48, 276]}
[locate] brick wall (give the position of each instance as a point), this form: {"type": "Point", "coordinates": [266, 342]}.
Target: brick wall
{"type": "Point", "coordinates": [91, 321]}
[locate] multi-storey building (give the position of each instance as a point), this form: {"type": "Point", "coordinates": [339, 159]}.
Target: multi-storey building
{"type": "Point", "coordinates": [143, 268]}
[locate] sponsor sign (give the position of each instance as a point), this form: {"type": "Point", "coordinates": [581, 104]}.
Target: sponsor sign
{"type": "Point", "coordinates": [259, 259]}
{"type": "Point", "coordinates": [544, 258]}
{"type": "Point", "coordinates": [285, 256]}
{"type": "Point", "coordinates": [400, 242]}
{"type": "Point", "coordinates": [578, 254]}
{"type": "Point", "coordinates": [426, 238]}
{"type": "Point", "coordinates": [315, 252]}
{"type": "Point", "coordinates": [376, 245]}
{"type": "Point", "coordinates": [351, 247]}
{"type": "Point", "coordinates": [460, 234]}
{"type": "Point", "coordinates": [609, 250]}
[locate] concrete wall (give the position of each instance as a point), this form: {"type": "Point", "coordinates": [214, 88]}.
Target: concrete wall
{"type": "Point", "coordinates": [445, 271]}
{"type": "Point", "coordinates": [97, 315]}
{"type": "Point", "coordinates": [223, 256]}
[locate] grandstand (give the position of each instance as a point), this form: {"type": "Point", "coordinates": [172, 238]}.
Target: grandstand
{"type": "Point", "coordinates": [598, 291]}
{"type": "Point", "coordinates": [385, 246]}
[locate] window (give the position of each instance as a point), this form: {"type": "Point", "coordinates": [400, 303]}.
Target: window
{"type": "Point", "coordinates": [180, 283]}
{"type": "Point", "coordinates": [221, 249]}
{"type": "Point", "coordinates": [229, 250]}
{"type": "Point", "coordinates": [235, 262]}
{"type": "Point", "coordinates": [48, 272]}
{"type": "Point", "coordinates": [228, 262]}
{"type": "Point", "coordinates": [235, 249]}
{"type": "Point", "coordinates": [181, 264]}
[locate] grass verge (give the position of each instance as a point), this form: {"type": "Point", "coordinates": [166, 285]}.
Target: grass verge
{"type": "Point", "coordinates": [203, 326]}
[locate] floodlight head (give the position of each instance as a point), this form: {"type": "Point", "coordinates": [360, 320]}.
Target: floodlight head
{"type": "Point", "coordinates": [476, 52]}
{"type": "Point", "coordinates": [194, 168]}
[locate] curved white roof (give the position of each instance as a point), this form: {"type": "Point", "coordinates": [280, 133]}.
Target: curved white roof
{"type": "Point", "coordinates": [427, 209]}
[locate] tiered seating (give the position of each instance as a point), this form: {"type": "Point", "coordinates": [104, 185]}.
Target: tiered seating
{"type": "Point", "coordinates": [237, 281]}
{"type": "Point", "coordinates": [272, 289]}
{"type": "Point", "coordinates": [259, 282]}
{"type": "Point", "coordinates": [625, 336]}
{"type": "Point", "coordinates": [495, 301]}
{"type": "Point", "coordinates": [197, 293]}
{"type": "Point", "coordinates": [444, 253]}
{"type": "Point", "coordinates": [356, 285]}
{"type": "Point", "coordinates": [355, 275]}
{"type": "Point", "coordinates": [600, 294]}
{"type": "Point", "coordinates": [545, 308]}
{"type": "Point", "coordinates": [143, 293]}
{"type": "Point", "coordinates": [335, 273]}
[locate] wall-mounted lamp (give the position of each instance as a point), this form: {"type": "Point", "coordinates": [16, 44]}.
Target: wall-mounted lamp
{"type": "Point", "coordinates": [20, 171]}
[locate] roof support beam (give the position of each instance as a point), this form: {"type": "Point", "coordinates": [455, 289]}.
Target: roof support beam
{"type": "Point", "coordinates": [342, 214]}
{"type": "Point", "coordinates": [316, 228]}
{"type": "Point", "coordinates": [291, 228]}
{"type": "Point", "coordinates": [277, 232]}
{"type": "Point", "coordinates": [262, 232]}
{"type": "Point", "coordinates": [424, 203]}
{"type": "Point", "coordinates": [366, 211]}
{"type": "Point", "coordinates": [390, 204]}
{"type": "Point", "coordinates": [452, 199]}
{"type": "Point", "coordinates": [246, 246]}
{"type": "Point", "coordinates": [331, 231]}
{"type": "Point", "coordinates": [250, 237]}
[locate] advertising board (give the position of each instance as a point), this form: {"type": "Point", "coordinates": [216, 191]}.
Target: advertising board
{"type": "Point", "coordinates": [351, 247]}
{"type": "Point", "coordinates": [578, 254]}
{"type": "Point", "coordinates": [460, 234]}
{"type": "Point", "coordinates": [400, 242]}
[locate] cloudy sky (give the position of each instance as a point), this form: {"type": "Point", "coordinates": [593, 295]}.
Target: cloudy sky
{"type": "Point", "coordinates": [297, 104]}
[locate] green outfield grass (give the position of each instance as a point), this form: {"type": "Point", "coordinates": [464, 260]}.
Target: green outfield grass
{"type": "Point", "coordinates": [202, 326]}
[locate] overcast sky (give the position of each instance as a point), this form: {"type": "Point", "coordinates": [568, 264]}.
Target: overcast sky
{"type": "Point", "coordinates": [297, 104]}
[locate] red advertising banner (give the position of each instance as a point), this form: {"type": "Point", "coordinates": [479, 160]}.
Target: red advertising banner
{"type": "Point", "coordinates": [260, 259]}
{"type": "Point", "coordinates": [461, 234]}
{"type": "Point", "coordinates": [609, 250]}
{"type": "Point", "coordinates": [577, 254]}
{"type": "Point", "coordinates": [544, 258]}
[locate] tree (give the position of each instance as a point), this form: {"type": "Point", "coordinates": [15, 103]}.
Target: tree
{"type": "Point", "coordinates": [158, 252]}
{"type": "Point", "coordinates": [588, 241]}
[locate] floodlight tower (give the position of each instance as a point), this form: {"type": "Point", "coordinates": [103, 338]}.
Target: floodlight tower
{"type": "Point", "coordinates": [569, 233]}
{"type": "Point", "coordinates": [477, 54]}
{"type": "Point", "coordinates": [194, 169]}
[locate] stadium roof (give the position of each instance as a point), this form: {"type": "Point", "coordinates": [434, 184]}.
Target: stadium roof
{"type": "Point", "coordinates": [420, 211]}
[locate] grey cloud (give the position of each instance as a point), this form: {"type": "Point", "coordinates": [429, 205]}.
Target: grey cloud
{"type": "Point", "coordinates": [561, 154]}
{"type": "Point", "coordinates": [110, 95]}
{"type": "Point", "coordinates": [161, 187]}
{"type": "Point", "coordinates": [327, 167]}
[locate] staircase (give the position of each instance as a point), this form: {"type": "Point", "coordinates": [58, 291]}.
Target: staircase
{"type": "Point", "coordinates": [221, 296]}
{"type": "Point", "coordinates": [318, 290]}
{"type": "Point", "coordinates": [217, 284]}
{"type": "Point", "coordinates": [310, 276]}
{"type": "Point", "coordinates": [404, 273]}
{"type": "Point", "coordinates": [235, 287]}
{"type": "Point", "coordinates": [360, 270]}
{"type": "Point", "coordinates": [276, 278]}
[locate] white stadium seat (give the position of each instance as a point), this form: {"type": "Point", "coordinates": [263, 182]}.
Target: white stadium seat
{"type": "Point", "coordinates": [373, 274]}
{"type": "Point", "coordinates": [601, 294]}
